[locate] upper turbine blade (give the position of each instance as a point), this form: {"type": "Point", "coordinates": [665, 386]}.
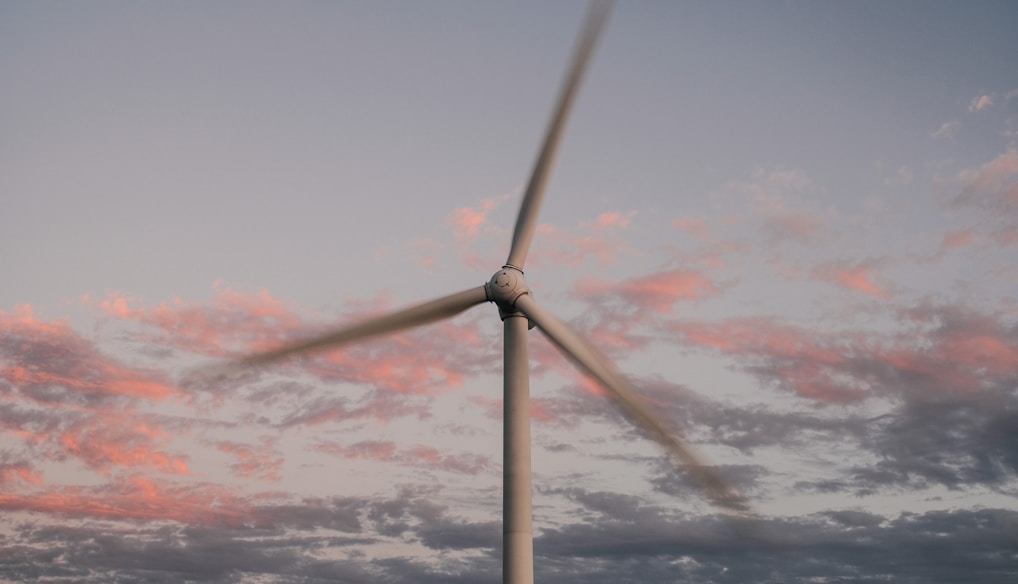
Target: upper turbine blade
{"type": "Point", "coordinates": [596, 366]}
{"type": "Point", "coordinates": [526, 220]}
{"type": "Point", "coordinates": [438, 309]}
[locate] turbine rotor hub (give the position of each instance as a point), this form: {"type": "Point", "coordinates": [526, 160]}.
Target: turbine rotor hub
{"type": "Point", "coordinates": [504, 288]}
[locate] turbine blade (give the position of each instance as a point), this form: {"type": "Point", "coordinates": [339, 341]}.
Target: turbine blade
{"type": "Point", "coordinates": [438, 309]}
{"type": "Point", "coordinates": [596, 366]}
{"type": "Point", "coordinates": [526, 220]}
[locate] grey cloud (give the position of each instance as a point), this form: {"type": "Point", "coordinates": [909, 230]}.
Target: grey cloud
{"type": "Point", "coordinates": [619, 539]}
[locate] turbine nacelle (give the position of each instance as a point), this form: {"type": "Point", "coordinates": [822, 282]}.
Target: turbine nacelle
{"type": "Point", "coordinates": [504, 288]}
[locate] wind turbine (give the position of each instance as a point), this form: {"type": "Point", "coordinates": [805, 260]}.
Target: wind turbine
{"type": "Point", "coordinates": [508, 290]}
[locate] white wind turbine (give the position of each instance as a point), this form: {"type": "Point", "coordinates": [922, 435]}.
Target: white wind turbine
{"type": "Point", "coordinates": [519, 311]}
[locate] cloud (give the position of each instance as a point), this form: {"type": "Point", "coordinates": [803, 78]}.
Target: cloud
{"type": "Point", "coordinates": [955, 442]}
{"type": "Point", "coordinates": [48, 361]}
{"type": "Point", "coordinates": [902, 176]}
{"type": "Point", "coordinates": [993, 186]}
{"type": "Point", "coordinates": [18, 471]}
{"type": "Point", "coordinates": [64, 400]}
{"type": "Point", "coordinates": [105, 441]}
{"type": "Point", "coordinates": [942, 352]}
{"type": "Point", "coordinates": [468, 221]}
{"type": "Point", "coordinates": [656, 292]}
{"type": "Point", "coordinates": [599, 239]}
{"type": "Point", "coordinates": [694, 226]}
{"type": "Point", "coordinates": [418, 456]}
{"type": "Point", "coordinates": [946, 130]}
{"type": "Point", "coordinates": [432, 359]}
{"type": "Point", "coordinates": [958, 238]}
{"type": "Point", "coordinates": [770, 189]}
{"type": "Point", "coordinates": [793, 226]}
{"type": "Point", "coordinates": [853, 277]}
{"type": "Point", "coordinates": [649, 544]}
{"type": "Point", "coordinates": [234, 323]}
{"type": "Point", "coordinates": [436, 357]}
{"type": "Point", "coordinates": [981, 102]}
{"type": "Point", "coordinates": [262, 461]}
{"type": "Point", "coordinates": [614, 219]}
{"type": "Point", "coordinates": [783, 201]}
{"type": "Point", "coordinates": [376, 405]}
{"type": "Point", "coordinates": [137, 498]}
{"type": "Point", "coordinates": [927, 547]}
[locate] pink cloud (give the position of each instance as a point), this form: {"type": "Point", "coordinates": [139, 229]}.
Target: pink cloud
{"type": "Point", "coordinates": [30, 347]}
{"type": "Point", "coordinates": [958, 238]}
{"type": "Point", "coordinates": [106, 439]}
{"type": "Point", "coordinates": [694, 226]}
{"type": "Point", "coordinates": [616, 334]}
{"type": "Point", "coordinates": [427, 360]}
{"type": "Point", "coordinates": [951, 352]}
{"type": "Point", "coordinates": [140, 499]}
{"type": "Point", "coordinates": [788, 356]}
{"type": "Point", "coordinates": [598, 240]}
{"type": "Point", "coordinates": [380, 406]}
{"type": "Point", "coordinates": [383, 451]}
{"type": "Point", "coordinates": [254, 461]}
{"type": "Point", "coordinates": [608, 220]}
{"type": "Point", "coordinates": [657, 292]}
{"type": "Point", "coordinates": [977, 351]}
{"type": "Point", "coordinates": [946, 130]}
{"type": "Point", "coordinates": [1006, 236]}
{"type": "Point", "coordinates": [418, 455]}
{"type": "Point", "coordinates": [433, 359]}
{"type": "Point", "coordinates": [793, 226]}
{"type": "Point", "coordinates": [22, 472]}
{"type": "Point", "coordinates": [993, 185]}
{"type": "Point", "coordinates": [103, 443]}
{"type": "Point", "coordinates": [468, 221]}
{"type": "Point", "coordinates": [981, 102]}
{"type": "Point", "coordinates": [760, 336]}
{"type": "Point", "coordinates": [542, 410]}
{"type": "Point", "coordinates": [855, 278]}
{"type": "Point", "coordinates": [236, 322]}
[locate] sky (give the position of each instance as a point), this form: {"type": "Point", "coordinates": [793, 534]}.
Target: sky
{"type": "Point", "coordinates": [793, 227]}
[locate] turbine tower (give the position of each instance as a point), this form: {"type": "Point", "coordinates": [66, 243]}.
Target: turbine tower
{"type": "Point", "coordinates": [508, 290]}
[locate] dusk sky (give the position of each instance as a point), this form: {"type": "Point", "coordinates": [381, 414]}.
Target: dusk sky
{"type": "Point", "coordinates": [793, 226]}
